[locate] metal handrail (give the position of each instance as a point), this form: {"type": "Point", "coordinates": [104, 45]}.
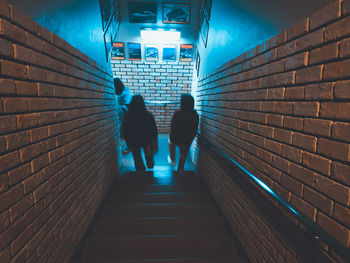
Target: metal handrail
{"type": "Point", "coordinates": [314, 231]}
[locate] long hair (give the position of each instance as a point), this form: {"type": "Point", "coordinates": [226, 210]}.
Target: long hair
{"type": "Point", "coordinates": [187, 102]}
{"type": "Point", "coordinates": [118, 86]}
{"type": "Point", "coordinates": [137, 106]}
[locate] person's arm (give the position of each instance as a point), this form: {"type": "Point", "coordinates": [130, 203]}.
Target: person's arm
{"type": "Point", "coordinates": [173, 127]}
{"type": "Point", "coordinates": [195, 125]}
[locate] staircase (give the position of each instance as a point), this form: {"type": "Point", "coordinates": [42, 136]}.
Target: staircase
{"type": "Point", "coordinates": [168, 218]}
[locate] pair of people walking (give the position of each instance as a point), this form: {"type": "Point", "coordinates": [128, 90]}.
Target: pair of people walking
{"type": "Point", "coordinates": [140, 131]}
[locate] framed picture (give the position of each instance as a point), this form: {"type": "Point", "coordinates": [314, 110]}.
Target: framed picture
{"type": "Point", "coordinates": [198, 61]}
{"type": "Point", "coordinates": [142, 12]}
{"type": "Point", "coordinates": [105, 13]}
{"type": "Point", "coordinates": [176, 13]}
{"type": "Point", "coordinates": [134, 51]}
{"type": "Point", "coordinates": [114, 24]}
{"type": "Point", "coordinates": [186, 52]}
{"type": "Point", "coordinates": [204, 27]}
{"type": "Point", "coordinates": [107, 36]}
{"type": "Point", "coordinates": [169, 52]}
{"type": "Point", "coordinates": [151, 52]}
{"type": "Point", "coordinates": [206, 6]}
{"type": "Point", "coordinates": [118, 51]}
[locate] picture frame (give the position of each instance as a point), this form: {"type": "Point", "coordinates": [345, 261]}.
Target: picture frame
{"type": "Point", "coordinates": [176, 13]}
{"type": "Point", "coordinates": [186, 52]}
{"type": "Point", "coordinates": [169, 53]}
{"type": "Point", "coordinates": [105, 13]}
{"type": "Point", "coordinates": [204, 27]}
{"type": "Point", "coordinates": [151, 52]}
{"type": "Point", "coordinates": [142, 12]}
{"type": "Point", "coordinates": [117, 52]}
{"type": "Point", "coordinates": [107, 36]}
{"type": "Point", "coordinates": [198, 61]}
{"type": "Point", "coordinates": [134, 51]}
{"type": "Point", "coordinates": [107, 8]}
{"type": "Point", "coordinates": [115, 23]}
{"type": "Point", "coordinates": [206, 6]}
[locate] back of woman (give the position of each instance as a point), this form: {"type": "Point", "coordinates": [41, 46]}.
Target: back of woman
{"type": "Point", "coordinates": [140, 128]}
{"type": "Point", "coordinates": [140, 131]}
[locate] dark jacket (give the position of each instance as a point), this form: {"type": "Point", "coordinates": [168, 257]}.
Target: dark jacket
{"type": "Point", "coordinates": [184, 125]}
{"type": "Point", "coordinates": [140, 131]}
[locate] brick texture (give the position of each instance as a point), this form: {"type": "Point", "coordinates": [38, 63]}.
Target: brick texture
{"type": "Point", "coordinates": [301, 147]}
{"type": "Point", "coordinates": [157, 82]}
{"type": "Point", "coordinates": [59, 141]}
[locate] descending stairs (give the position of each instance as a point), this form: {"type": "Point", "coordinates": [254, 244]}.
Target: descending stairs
{"type": "Point", "coordinates": [159, 219]}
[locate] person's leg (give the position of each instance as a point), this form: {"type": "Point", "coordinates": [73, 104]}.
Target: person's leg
{"type": "Point", "coordinates": [136, 154]}
{"type": "Point", "coordinates": [183, 154]}
{"type": "Point", "coordinates": [172, 148]}
{"type": "Point", "coordinates": [149, 155]}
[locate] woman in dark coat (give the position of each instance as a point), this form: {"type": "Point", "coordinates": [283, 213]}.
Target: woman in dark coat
{"type": "Point", "coordinates": [184, 125]}
{"type": "Point", "coordinates": [140, 131]}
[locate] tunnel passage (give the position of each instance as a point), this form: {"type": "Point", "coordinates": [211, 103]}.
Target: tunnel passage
{"type": "Point", "coordinates": [281, 110]}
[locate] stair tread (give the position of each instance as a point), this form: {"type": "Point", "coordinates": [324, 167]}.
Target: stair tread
{"type": "Point", "coordinates": [169, 225]}
{"type": "Point", "coordinates": [158, 210]}
{"type": "Point", "coordinates": [174, 260]}
{"type": "Point", "coordinates": [160, 197]}
{"type": "Point", "coordinates": [161, 246]}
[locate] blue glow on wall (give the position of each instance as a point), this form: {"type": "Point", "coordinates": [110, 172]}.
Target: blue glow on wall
{"type": "Point", "coordinates": [77, 22]}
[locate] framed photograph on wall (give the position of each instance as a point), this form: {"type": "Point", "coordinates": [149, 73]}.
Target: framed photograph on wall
{"type": "Point", "coordinates": [134, 51]}
{"type": "Point", "coordinates": [169, 52]}
{"type": "Point", "coordinates": [107, 36]}
{"type": "Point", "coordinates": [204, 27]}
{"type": "Point", "coordinates": [105, 13]}
{"type": "Point", "coordinates": [198, 61]}
{"type": "Point", "coordinates": [118, 51]}
{"type": "Point", "coordinates": [151, 52]}
{"type": "Point", "coordinates": [176, 13]}
{"type": "Point", "coordinates": [206, 6]}
{"type": "Point", "coordinates": [114, 24]}
{"type": "Point", "coordinates": [186, 52]}
{"type": "Point", "coordinates": [142, 12]}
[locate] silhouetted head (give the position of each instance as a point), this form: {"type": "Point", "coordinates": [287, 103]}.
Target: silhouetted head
{"type": "Point", "coordinates": [187, 102]}
{"type": "Point", "coordinates": [118, 86]}
{"type": "Point", "coordinates": [137, 105]}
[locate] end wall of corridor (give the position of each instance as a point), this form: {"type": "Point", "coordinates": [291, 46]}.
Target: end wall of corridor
{"type": "Point", "coordinates": [59, 146]}
{"type": "Point", "coordinates": [282, 110]}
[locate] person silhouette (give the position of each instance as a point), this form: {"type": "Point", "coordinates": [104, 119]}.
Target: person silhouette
{"type": "Point", "coordinates": [122, 98]}
{"type": "Point", "coordinates": [184, 125]}
{"type": "Point", "coordinates": [140, 131]}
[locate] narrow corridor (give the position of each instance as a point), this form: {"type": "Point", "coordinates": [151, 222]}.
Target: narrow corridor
{"type": "Point", "coordinates": [267, 178]}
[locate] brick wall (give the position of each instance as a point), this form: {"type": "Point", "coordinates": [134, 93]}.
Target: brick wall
{"type": "Point", "coordinates": [58, 141]}
{"type": "Point", "coordinates": [282, 110]}
{"type": "Point", "coordinates": [156, 81]}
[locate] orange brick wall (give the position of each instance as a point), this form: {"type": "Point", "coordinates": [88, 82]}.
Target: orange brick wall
{"type": "Point", "coordinates": [282, 110]}
{"type": "Point", "coordinates": [58, 141]}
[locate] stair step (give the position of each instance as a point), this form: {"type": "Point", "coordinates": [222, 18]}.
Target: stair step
{"type": "Point", "coordinates": [135, 178]}
{"type": "Point", "coordinates": [157, 188]}
{"type": "Point", "coordinates": [160, 247]}
{"type": "Point", "coordinates": [161, 197]}
{"type": "Point", "coordinates": [158, 210]}
{"type": "Point", "coordinates": [160, 226]}
{"type": "Point", "coordinates": [174, 260]}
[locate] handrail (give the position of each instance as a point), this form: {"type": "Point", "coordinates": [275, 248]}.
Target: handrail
{"type": "Point", "coordinates": [315, 231]}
